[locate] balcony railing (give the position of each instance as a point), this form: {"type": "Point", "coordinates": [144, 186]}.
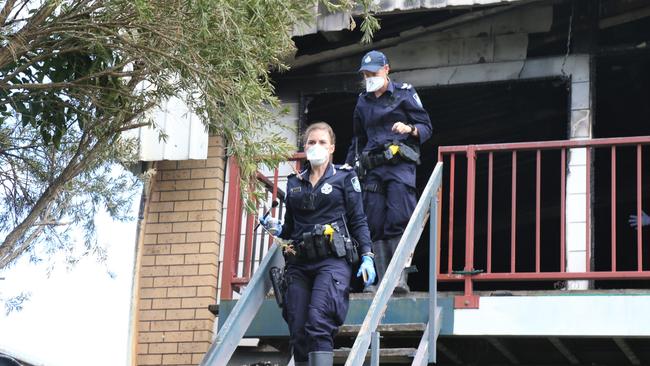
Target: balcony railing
{"type": "Point", "coordinates": [522, 229]}
{"type": "Point", "coordinates": [245, 244]}
{"type": "Point", "coordinates": [545, 256]}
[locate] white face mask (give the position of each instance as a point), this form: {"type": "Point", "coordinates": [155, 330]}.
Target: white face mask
{"type": "Point", "coordinates": [374, 83]}
{"type": "Point", "coordinates": [317, 155]}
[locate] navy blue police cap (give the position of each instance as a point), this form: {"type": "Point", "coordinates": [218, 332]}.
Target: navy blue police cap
{"type": "Point", "coordinates": [373, 61]}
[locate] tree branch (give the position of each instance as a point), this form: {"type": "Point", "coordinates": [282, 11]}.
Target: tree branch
{"type": "Point", "coordinates": [18, 43]}
{"type": "Point", "coordinates": [127, 128]}
{"type": "Point", "coordinates": [6, 260]}
{"type": "Point", "coordinates": [13, 246]}
{"type": "Point", "coordinates": [36, 59]}
{"type": "Point", "coordinates": [68, 84]}
{"type": "Point", "coordinates": [6, 9]}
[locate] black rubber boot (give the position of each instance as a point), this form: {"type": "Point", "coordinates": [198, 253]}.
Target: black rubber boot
{"type": "Point", "coordinates": [402, 284]}
{"type": "Point", "coordinates": [302, 363]}
{"type": "Point", "coordinates": [321, 358]}
{"type": "Point", "coordinates": [382, 258]}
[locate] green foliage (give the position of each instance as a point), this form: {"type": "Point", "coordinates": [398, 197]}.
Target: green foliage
{"type": "Point", "coordinates": [16, 303]}
{"type": "Point", "coordinates": [76, 74]}
{"type": "Point", "coordinates": [370, 24]}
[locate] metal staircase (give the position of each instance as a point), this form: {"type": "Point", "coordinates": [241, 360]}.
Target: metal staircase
{"type": "Point", "coordinates": [368, 334]}
{"type": "Point", "coordinates": [390, 343]}
{"type": "Point", "coordinates": [426, 210]}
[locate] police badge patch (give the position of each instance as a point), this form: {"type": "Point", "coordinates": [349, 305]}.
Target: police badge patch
{"type": "Point", "coordinates": [417, 99]}
{"type": "Point", "coordinates": [355, 184]}
{"type": "Point", "coordinates": [326, 188]}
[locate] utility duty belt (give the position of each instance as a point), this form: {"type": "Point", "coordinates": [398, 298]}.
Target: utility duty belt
{"type": "Point", "coordinates": [392, 153]}
{"type": "Point", "coordinates": [322, 242]}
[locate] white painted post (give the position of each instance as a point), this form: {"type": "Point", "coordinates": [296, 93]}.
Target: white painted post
{"type": "Point", "coordinates": [577, 241]}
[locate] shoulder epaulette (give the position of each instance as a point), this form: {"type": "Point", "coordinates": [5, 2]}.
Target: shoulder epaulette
{"type": "Point", "coordinates": [296, 174]}
{"type": "Point", "coordinates": [406, 86]}
{"type": "Point", "coordinates": [344, 167]}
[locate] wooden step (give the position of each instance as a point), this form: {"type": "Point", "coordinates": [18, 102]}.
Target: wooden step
{"type": "Point", "coordinates": [385, 329]}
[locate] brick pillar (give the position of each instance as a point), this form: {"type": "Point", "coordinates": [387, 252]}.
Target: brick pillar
{"type": "Point", "coordinates": [179, 260]}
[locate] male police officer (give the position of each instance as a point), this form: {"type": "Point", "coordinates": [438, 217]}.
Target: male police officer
{"type": "Point", "coordinates": [390, 124]}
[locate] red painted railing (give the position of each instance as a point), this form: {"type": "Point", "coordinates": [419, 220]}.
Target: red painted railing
{"type": "Point", "coordinates": [244, 244]}
{"type": "Point", "coordinates": [497, 259]}
{"type": "Point", "coordinates": [470, 154]}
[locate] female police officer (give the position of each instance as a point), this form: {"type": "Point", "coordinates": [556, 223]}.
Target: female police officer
{"type": "Point", "coordinates": [323, 209]}
{"type": "Point", "coordinates": [389, 126]}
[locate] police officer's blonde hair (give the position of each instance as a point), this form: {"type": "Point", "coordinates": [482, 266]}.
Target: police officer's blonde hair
{"type": "Point", "coordinates": [320, 125]}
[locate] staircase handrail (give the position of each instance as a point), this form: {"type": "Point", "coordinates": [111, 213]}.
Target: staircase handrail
{"type": "Point", "coordinates": [401, 257]}
{"type": "Point", "coordinates": [244, 311]}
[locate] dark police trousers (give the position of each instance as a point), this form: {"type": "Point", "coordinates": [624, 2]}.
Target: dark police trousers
{"type": "Point", "coordinates": [389, 210]}
{"type": "Point", "coordinates": [316, 303]}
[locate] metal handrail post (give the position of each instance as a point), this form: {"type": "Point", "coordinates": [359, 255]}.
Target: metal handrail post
{"type": "Point", "coordinates": [374, 349]}
{"type": "Point", "coordinates": [433, 274]}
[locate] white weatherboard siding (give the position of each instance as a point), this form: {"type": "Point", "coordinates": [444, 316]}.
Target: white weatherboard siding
{"type": "Point", "coordinates": [187, 137]}
{"type": "Point", "coordinates": [567, 315]}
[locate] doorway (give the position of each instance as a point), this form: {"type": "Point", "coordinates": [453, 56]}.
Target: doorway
{"type": "Point", "coordinates": [500, 112]}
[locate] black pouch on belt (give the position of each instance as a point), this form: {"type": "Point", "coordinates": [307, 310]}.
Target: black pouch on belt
{"type": "Point", "coordinates": [338, 245]}
{"type": "Point", "coordinates": [320, 241]}
{"type": "Point", "coordinates": [308, 246]}
{"type": "Point", "coordinates": [351, 251]}
{"type": "Point", "coordinates": [409, 153]}
{"type": "Point", "coordinates": [322, 246]}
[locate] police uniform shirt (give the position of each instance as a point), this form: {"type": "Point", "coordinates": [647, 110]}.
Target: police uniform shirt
{"type": "Point", "coordinates": [337, 193]}
{"type": "Point", "coordinates": [374, 118]}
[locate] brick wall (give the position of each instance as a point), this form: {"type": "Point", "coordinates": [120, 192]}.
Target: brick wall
{"type": "Point", "coordinates": [179, 260]}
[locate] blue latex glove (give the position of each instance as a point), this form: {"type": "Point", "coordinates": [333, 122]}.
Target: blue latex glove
{"type": "Point", "coordinates": [634, 220]}
{"type": "Point", "coordinates": [271, 224]}
{"type": "Point", "coordinates": [368, 266]}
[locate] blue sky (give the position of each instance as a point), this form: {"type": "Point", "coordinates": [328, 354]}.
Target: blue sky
{"type": "Point", "coordinates": [75, 317]}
